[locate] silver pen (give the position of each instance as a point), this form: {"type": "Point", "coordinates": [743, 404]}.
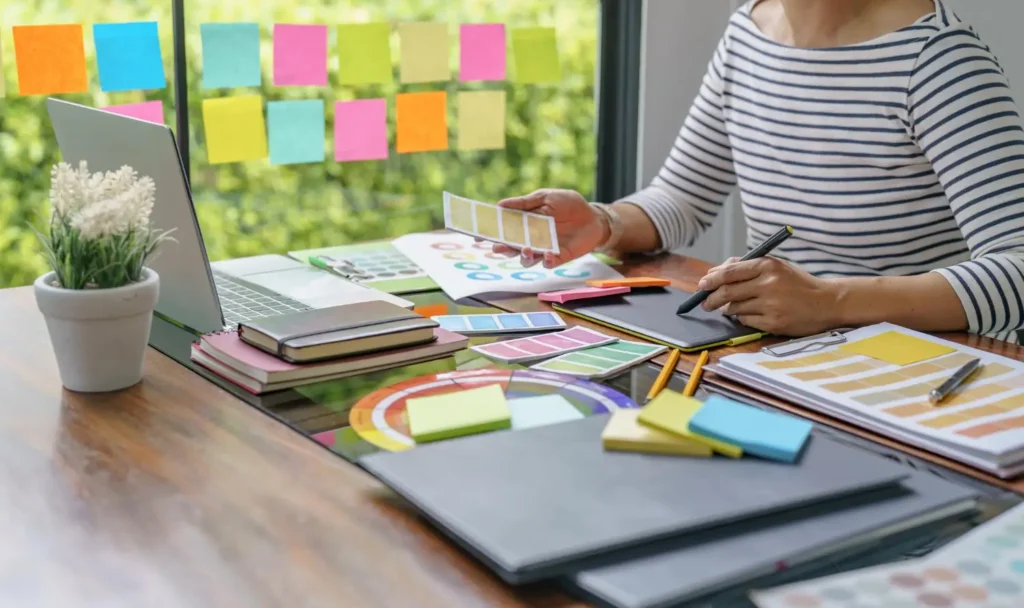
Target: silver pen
{"type": "Point", "coordinates": [951, 383]}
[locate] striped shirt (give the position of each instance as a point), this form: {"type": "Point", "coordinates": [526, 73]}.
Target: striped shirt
{"type": "Point", "coordinates": [897, 156]}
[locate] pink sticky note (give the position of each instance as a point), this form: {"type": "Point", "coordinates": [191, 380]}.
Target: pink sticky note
{"type": "Point", "coordinates": [360, 130]}
{"type": "Point", "coordinates": [580, 294]}
{"type": "Point", "coordinates": [482, 52]}
{"type": "Point", "coordinates": [152, 111]}
{"type": "Point", "coordinates": [300, 55]}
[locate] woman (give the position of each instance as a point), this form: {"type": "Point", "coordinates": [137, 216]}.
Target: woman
{"type": "Point", "coordinates": [883, 131]}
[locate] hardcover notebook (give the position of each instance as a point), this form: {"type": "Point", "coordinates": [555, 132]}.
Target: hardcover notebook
{"type": "Point", "coordinates": [315, 335]}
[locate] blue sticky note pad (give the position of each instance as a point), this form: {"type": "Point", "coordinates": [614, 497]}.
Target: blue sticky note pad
{"type": "Point", "coordinates": [128, 56]}
{"type": "Point", "coordinates": [761, 433]}
{"type": "Point", "coordinates": [231, 55]}
{"type": "Point", "coordinates": [296, 132]}
{"type": "Point", "coordinates": [513, 321]}
{"type": "Point", "coordinates": [528, 412]}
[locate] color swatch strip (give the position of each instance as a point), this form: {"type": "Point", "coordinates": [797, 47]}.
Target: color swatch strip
{"type": "Point", "coordinates": [601, 361]}
{"type": "Point", "coordinates": [542, 347]}
{"type": "Point", "coordinates": [499, 225]}
{"type": "Point", "coordinates": [500, 323]}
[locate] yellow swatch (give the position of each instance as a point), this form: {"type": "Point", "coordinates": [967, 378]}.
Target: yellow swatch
{"type": "Point", "coordinates": [422, 122]}
{"type": "Point", "coordinates": [50, 59]}
{"type": "Point", "coordinates": [365, 53]}
{"type": "Point", "coordinates": [512, 225]}
{"type": "Point", "coordinates": [487, 221]}
{"type": "Point", "coordinates": [481, 120]}
{"type": "Point", "coordinates": [897, 348]}
{"type": "Point", "coordinates": [461, 212]}
{"type": "Point", "coordinates": [540, 232]}
{"type": "Point", "coordinates": [623, 433]}
{"type": "Point", "coordinates": [235, 130]}
{"type": "Point", "coordinates": [424, 52]}
{"type": "Point", "coordinates": [535, 51]}
{"type": "Point", "coordinates": [670, 412]}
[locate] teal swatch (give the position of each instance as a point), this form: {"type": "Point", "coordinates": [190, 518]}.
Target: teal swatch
{"type": "Point", "coordinates": [296, 132]}
{"type": "Point", "coordinates": [128, 56]}
{"type": "Point", "coordinates": [231, 55]}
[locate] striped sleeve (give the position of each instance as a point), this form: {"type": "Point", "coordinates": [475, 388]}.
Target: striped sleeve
{"type": "Point", "coordinates": [961, 113]}
{"type": "Point", "coordinates": [698, 175]}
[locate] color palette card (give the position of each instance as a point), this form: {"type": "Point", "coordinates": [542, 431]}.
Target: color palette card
{"type": "Point", "coordinates": [457, 414]}
{"type": "Point", "coordinates": [602, 361]}
{"type": "Point", "coordinates": [499, 225]}
{"type": "Point", "coordinates": [501, 323]}
{"type": "Point", "coordinates": [670, 412]}
{"type": "Point", "coordinates": [585, 293]}
{"type": "Point", "coordinates": [759, 432]}
{"type": "Point", "coordinates": [543, 347]}
{"type": "Point", "coordinates": [625, 434]}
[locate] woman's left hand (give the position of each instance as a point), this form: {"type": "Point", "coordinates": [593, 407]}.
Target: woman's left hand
{"type": "Point", "coordinates": [772, 296]}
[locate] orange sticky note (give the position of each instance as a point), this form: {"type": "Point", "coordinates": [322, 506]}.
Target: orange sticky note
{"type": "Point", "coordinates": [431, 310]}
{"type": "Point", "coordinates": [630, 282]}
{"type": "Point", "coordinates": [422, 122]}
{"type": "Point", "coordinates": [50, 59]}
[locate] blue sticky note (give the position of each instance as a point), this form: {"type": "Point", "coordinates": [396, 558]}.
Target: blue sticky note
{"type": "Point", "coordinates": [296, 131]}
{"type": "Point", "coordinates": [513, 321]}
{"type": "Point", "coordinates": [231, 55]}
{"type": "Point", "coordinates": [128, 56]}
{"type": "Point", "coordinates": [529, 412]}
{"type": "Point", "coordinates": [482, 322]}
{"type": "Point", "coordinates": [759, 432]}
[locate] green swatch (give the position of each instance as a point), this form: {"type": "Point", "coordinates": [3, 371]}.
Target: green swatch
{"type": "Point", "coordinates": [601, 361]}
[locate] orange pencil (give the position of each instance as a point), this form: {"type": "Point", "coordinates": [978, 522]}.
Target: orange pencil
{"type": "Point", "coordinates": [665, 375]}
{"type": "Point", "coordinates": [691, 385]}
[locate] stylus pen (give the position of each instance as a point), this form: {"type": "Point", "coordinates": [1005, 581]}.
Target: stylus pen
{"type": "Point", "coordinates": [760, 251]}
{"type": "Point", "coordinates": [951, 383]}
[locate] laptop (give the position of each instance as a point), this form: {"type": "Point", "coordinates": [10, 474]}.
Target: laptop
{"type": "Point", "coordinates": [195, 294]}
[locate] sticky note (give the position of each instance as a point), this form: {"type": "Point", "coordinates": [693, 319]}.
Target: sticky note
{"type": "Point", "coordinates": [482, 52]}
{"type": "Point", "coordinates": [535, 52]}
{"type": "Point", "coordinates": [128, 56]}
{"type": "Point", "coordinates": [300, 55]}
{"type": "Point", "coordinates": [422, 122]}
{"type": "Point", "coordinates": [152, 111]}
{"type": "Point", "coordinates": [624, 433]}
{"type": "Point", "coordinates": [231, 55]}
{"type": "Point", "coordinates": [50, 59]}
{"type": "Point", "coordinates": [360, 130]}
{"type": "Point", "coordinates": [759, 432]}
{"type": "Point", "coordinates": [584, 293]}
{"type": "Point", "coordinates": [897, 348]}
{"type": "Point", "coordinates": [481, 120]}
{"type": "Point", "coordinates": [296, 131]}
{"type": "Point", "coordinates": [528, 412]}
{"type": "Point", "coordinates": [235, 130]}
{"type": "Point", "coordinates": [630, 282]}
{"type": "Point", "coordinates": [670, 412]}
{"type": "Point", "coordinates": [457, 414]}
{"type": "Point", "coordinates": [424, 52]}
{"type": "Point", "coordinates": [365, 52]}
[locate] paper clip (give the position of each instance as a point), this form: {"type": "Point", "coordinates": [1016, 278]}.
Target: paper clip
{"type": "Point", "coordinates": [803, 345]}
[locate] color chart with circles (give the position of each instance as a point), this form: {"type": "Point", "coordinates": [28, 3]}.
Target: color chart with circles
{"type": "Point", "coordinates": [499, 225]}
{"type": "Point", "coordinates": [463, 267]}
{"type": "Point", "coordinates": [982, 569]}
{"type": "Point", "coordinates": [380, 419]}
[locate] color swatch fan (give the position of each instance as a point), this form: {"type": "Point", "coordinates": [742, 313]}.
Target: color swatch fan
{"type": "Point", "coordinates": [512, 227]}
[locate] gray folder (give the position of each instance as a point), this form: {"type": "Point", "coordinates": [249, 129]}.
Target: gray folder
{"type": "Point", "coordinates": [676, 571]}
{"type": "Point", "coordinates": [534, 502]}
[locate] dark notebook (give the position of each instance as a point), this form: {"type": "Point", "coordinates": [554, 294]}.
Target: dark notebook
{"type": "Point", "coordinates": [533, 503]}
{"type": "Point", "coordinates": [339, 331]}
{"type": "Point", "coordinates": [651, 313]}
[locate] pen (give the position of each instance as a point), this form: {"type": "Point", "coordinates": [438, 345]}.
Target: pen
{"type": "Point", "coordinates": [691, 385]}
{"type": "Point", "coordinates": [951, 383]}
{"type": "Point", "coordinates": [758, 252]}
{"type": "Point", "coordinates": [666, 373]}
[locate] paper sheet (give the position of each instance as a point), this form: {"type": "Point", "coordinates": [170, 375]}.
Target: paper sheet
{"type": "Point", "coordinates": [152, 111]}
{"type": "Point", "coordinates": [422, 122]}
{"type": "Point", "coordinates": [424, 52]}
{"type": "Point", "coordinates": [300, 55]}
{"type": "Point", "coordinates": [481, 120]}
{"type": "Point", "coordinates": [365, 52]}
{"type": "Point", "coordinates": [360, 130]}
{"type": "Point", "coordinates": [50, 59]}
{"type": "Point", "coordinates": [535, 51]}
{"type": "Point", "coordinates": [513, 227]}
{"type": "Point", "coordinates": [231, 55]}
{"type": "Point", "coordinates": [128, 56]}
{"type": "Point", "coordinates": [296, 131]}
{"type": "Point", "coordinates": [235, 129]}
{"type": "Point", "coordinates": [463, 267]}
{"type": "Point", "coordinates": [897, 348]}
{"type": "Point", "coordinates": [482, 53]}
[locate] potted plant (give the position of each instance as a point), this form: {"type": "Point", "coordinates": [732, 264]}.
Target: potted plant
{"type": "Point", "coordinates": [99, 295]}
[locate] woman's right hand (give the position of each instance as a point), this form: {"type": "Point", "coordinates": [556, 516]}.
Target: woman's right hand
{"type": "Point", "coordinates": [580, 229]}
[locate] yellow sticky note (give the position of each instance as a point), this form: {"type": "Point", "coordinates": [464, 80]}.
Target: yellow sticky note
{"type": "Point", "coordinates": [459, 413]}
{"type": "Point", "coordinates": [365, 53]}
{"type": "Point", "coordinates": [235, 129]}
{"type": "Point", "coordinates": [535, 51]}
{"type": "Point", "coordinates": [424, 52]}
{"type": "Point", "coordinates": [670, 412]}
{"type": "Point", "coordinates": [897, 348]}
{"type": "Point", "coordinates": [422, 122]}
{"type": "Point", "coordinates": [481, 120]}
{"type": "Point", "coordinates": [623, 433]}
{"type": "Point", "coordinates": [50, 59]}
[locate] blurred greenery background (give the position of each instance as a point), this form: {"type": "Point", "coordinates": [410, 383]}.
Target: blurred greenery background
{"type": "Point", "coordinates": [251, 208]}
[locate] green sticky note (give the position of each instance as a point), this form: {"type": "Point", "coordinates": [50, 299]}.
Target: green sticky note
{"type": "Point", "coordinates": [365, 53]}
{"type": "Point", "coordinates": [457, 414]}
{"type": "Point", "coordinates": [535, 51]}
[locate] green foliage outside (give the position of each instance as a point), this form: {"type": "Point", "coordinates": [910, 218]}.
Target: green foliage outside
{"type": "Point", "coordinates": [252, 208]}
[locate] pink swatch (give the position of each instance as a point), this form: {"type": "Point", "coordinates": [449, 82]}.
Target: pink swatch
{"type": "Point", "coordinates": [557, 342]}
{"type": "Point", "coordinates": [582, 334]}
{"type": "Point", "coordinates": [540, 347]}
{"type": "Point", "coordinates": [503, 351]}
{"type": "Point", "coordinates": [360, 130]}
{"type": "Point", "coordinates": [580, 294]}
{"type": "Point", "coordinates": [300, 55]}
{"type": "Point", "coordinates": [150, 111]}
{"type": "Point", "coordinates": [482, 52]}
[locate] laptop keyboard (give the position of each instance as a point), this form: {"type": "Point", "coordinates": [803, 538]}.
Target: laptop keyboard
{"type": "Point", "coordinates": [242, 303]}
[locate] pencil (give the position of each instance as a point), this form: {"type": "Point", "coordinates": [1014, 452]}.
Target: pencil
{"type": "Point", "coordinates": [665, 375]}
{"type": "Point", "coordinates": [691, 385]}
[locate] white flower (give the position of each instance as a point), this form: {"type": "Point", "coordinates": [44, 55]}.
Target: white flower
{"type": "Point", "coordinates": [101, 204]}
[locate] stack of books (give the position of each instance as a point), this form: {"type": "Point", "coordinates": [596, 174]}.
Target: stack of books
{"type": "Point", "coordinates": [286, 351]}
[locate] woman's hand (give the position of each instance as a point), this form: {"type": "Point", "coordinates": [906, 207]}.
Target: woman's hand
{"type": "Point", "coordinates": [579, 228]}
{"type": "Point", "coordinates": [772, 296]}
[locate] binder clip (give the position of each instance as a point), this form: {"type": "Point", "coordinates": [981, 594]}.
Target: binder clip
{"type": "Point", "coordinates": [805, 345]}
